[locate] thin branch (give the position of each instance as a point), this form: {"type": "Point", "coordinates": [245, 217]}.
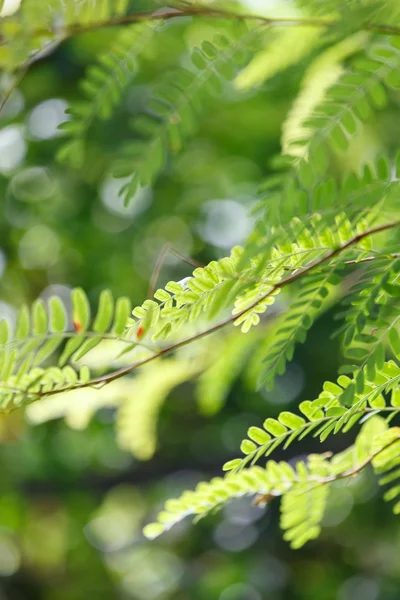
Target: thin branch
{"type": "Point", "coordinates": [61, 35]}
{"type": "Point", "coordinates": [365, 259]}
{"type": "Point", "coordinates": [358, 407]}
{"type": "Point", "coordinates": [95, 384]}
{"type": "Point", "coordinates": [262, 499]}
{"type": "Point", "coordinates": [203, 11]}
{"type": "Point", "coordinates": [361, 466]}
{"type": "Point", "coordinates": [229, 320]}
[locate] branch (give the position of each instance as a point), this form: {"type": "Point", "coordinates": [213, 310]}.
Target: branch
{"type": "Point", "coordinates": [262, 499]}
{"type": "Point", "coordinates": [61, 35]}
{"type": "Point", "coordinates": [105, 379]}
{"type": "Point", "coordinates": [204, 11]}
{"type": "Point", "coordinates": [365, 259]}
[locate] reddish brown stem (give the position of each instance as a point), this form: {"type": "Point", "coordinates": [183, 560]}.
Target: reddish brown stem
{"type": "Point", "coordinates": [229, 320]}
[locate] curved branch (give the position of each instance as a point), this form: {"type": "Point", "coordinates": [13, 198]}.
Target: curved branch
{"type": "Point", "coordinates": [262, 499]}
{"type": "Point", "coordinates": [105, 379]}
{"type": "Point", "coordinates": [202, 11]}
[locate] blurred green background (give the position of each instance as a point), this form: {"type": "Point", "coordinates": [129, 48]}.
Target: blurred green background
{"type": "Point", "coordinates": [72, 504]}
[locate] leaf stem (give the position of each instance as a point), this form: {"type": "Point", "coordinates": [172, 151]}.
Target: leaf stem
{"type": "Point", "coordinates": [229, 320]}
{"type": "Point", "coordinates": [204, 11]}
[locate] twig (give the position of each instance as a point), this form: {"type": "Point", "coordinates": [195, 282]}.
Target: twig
{"type": "Point", "coordinates": [229, 320]}
{"type": "Point", "coordinates": [317, 481]}
{"type": "Point", "coordinates": [203, 11]}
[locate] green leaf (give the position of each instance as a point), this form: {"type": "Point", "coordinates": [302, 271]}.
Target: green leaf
{"type": "Point", "coordinates": [80, 309]}
{"type": "Point", "coordinates": [23, 323]}
{"type": "Point", "coordinates": [258, 435]}
{"type": "Point", "coordinates": [48, 348]}
{"type": "Point", "coordinates": [232, 464]}
{"type": "Point", "coordinates": [274, 427]}
{"type": "Point", "coordinates": [289, 47]}
{"type": "Point", "coordinates": [247, 447]}
{"type": "Point", "coordinates": [122, 314]}
{"type": "Point", "coordinates": [153, 530]}
{"type": "Point", "coordinates": [290, 420]}
{"type": "Point", "coordinates": [347, 397]}
{"type": "Point", "coordinates": [39, 317]}
{"type": "Point", "coordinates": [394, 339]}
{"type": "Point", "coordinates": [57, 314]}
{"type": "Point", "coordinates": [104, 313]}
{"type": "Point", "coordinates": [312, 412]}
{"type": "Point", "coordinates": [392, 290]}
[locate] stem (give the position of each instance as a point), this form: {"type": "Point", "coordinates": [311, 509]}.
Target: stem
{"type": "Point", "coordinates": [204, 11]}
{"type": "Point", "coordinates": [229, 320]}
{"type": "Point", "coordinates": [317, 481]}
{"type": "Point", "coordinates": [173, 13]}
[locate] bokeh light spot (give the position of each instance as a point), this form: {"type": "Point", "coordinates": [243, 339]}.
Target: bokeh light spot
{"type": "Point", "coordinates": [9, 556]}
{"type": "Point", "coordinates": [39, 248]}
{"type": "Point", "coordinates": [226, 223]}
{"type": "Point", "coordinates": [114, 203]}
{"type": "Point", "coordinates": [45, 118]}
{"type": "Point", "coordinates": [12, 148]}
{"type": "Point", "coordinates": [240, 591]}
{"type": "Point", "coordinates": [9, 7]}
{"type": "Point", "coordinates": [15, 101]}
{"type": "Point", "coordinates": [359, 588]}
{"type": "Point", "coordinates": [234, 537]}
{"type": "Point", "coordinates": [33, 185]}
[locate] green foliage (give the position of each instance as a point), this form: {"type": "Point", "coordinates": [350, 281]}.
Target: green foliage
{"type": "Point", "coordinates": [386, 466]}
{"type": "Point", "coordinates": [175, 107]}
{"type": "Point", "coordinates": [311, 297]}
{"type": "Point", "coordinates": [48, 329]}
{"type": "Point", "coordinates": [84, 11]}
{"type": "Point", "coordinates": [137, 416]}
{"type": "Point", "coordinates": [351, 100]}
{"type": "Point", "coordinates": [305, 191]}
{"type": "Point", "coordinates": [216, 381]}
{"type": "Point", "coordinates": [321, 75]}
{"type": "Point", "coordinates": [40, 24]}
{"type": "Point", "coordinates": [176, 306]}
{"type": "Point", "coordinates": [103, 87]}
{"type": "Point", "coordinates": [372, 317]}
{"type": "Point", "coordinates": [338, 408]}
{"type": "Point", "coordinates": [326, 235]}
{"type": "Point", "coordinates": [287, 47]}
{"type": "Point", "coordinates": [304, 488]}
{"type": "Point", "coordinates": [353, 11]}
